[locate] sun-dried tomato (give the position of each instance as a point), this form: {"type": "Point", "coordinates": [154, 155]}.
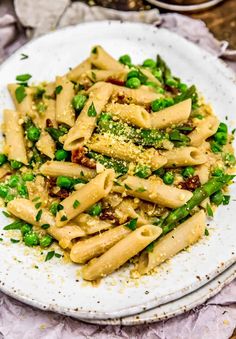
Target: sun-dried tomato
{"type": "Point", "coordinates": [191, 183]}
{"type": "Point", "coordinates": [78, 156]}
{"type": "Point", "coordinates": [115, 82]}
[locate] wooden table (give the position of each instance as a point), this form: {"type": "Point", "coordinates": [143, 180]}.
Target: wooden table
{"type": "Point", "coordinates": [220, 19]}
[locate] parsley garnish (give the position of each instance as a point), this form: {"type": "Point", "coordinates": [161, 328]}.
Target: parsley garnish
{"type": "Point", "coordinates": [38, 215]}
{"type": "Point", "coordinates": [64, 218]}
{"type": "Point", "coordinates": [209, 210]}
{"type": "Point", "coordinates": [127, 187]}
{"type": "Point", "coordinates": [36, 266]}
{"type": "Point", "coordinates": [132, 224]}
{"type": "Point", "coordinates": [23, 77]}
{"type": "Point", "coordinates": [24, 56]}
{"type": "Point", "coordinates": [45, 226]}
{"type": "Point", "coordinates": [92, 111]}
{"type": "Point", "coordinates": [60, 207]}
{"type": "Point", "coordinates": [38, 205]}
{"type": "Point", "coordinates": [50, 255]}
{"type": "Point", "coordinates": [15, 241]}
{"type": "Point", "coordinates": [206, 232]}
{"type": "Point", "coordinates": [58, 255]}
{"type": "Point", "coordinates": [150, 247]}
{"type": "Point", "coordinates": [36, 199]}
{"type": "Point", "coordinates": [76, 203]}
{"type": "Point", "coordinates": [94, 50]}
{"type": "Point", "coordinates": [6, 214]}
{"type": "Point", "coordinates": [20, 93]}
{"type": "Point", "coordinates": [226, 199]}
{"type": "Point", "coordinates": [16, 225]}
{"type": "Point", "coordinates": [1, 239]}
{"type": "Point", "coordinates": [140, 189]}
{"type": "Point", "coordinates": [58, 89]}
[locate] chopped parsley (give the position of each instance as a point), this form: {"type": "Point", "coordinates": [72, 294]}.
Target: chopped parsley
{"type": "Point", "coordinates": [38, 215]}
{"type": "Point", "coordinates": [1, 239]}
{"type": "Point", "coordinates": [226, 199]}
{"type": "Point", "coordinates": [50, 255]}
{"type": "Point", "coordinates": [38, 205]}
{"type": "Point", "coordinates": [58, 89]}
{"type": "Point", "coordinates": [140, 189]}
{"type": "Point", "coordinates": [92, 110]}
{"type": "Point", "coordinates": [150, 247]}
{"type": "Point", "coordinates": [60, 207]}
{"type": "Point", "coordinates": [64, 218]}
{"type": "Point", "coordinates": [45, 226]}
{"type": "Point", "coordinates": [76, 203]}
{"type": "Point", "coordinates": [23, 77]}
{"type": "Point", "coordinates": [16, 225]}
{"type": "Point", "coordinates": [127, 187]}
{"type": "Point", "coordinates": [6, 214]}
{"type": "Point", "coordinates": [132, 224]}
{"type": "Point", "coordinates": [20, 93]}
{"type": "Point", "coordinates": [206, 232]}
{"type": "Point", "coordinates": [24, 56]}
{"type": "Point", "coordinates": [15, 241]}
{"type": "Point", "coordinates": [209, 210]}
{"type": "Point", "coordinates": [58, 255]}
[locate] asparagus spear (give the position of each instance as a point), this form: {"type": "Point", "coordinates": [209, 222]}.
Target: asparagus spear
{"type": "Point", "coordinates": [200, 194]}
{"type": "Point", "coordinates": [119, 166]}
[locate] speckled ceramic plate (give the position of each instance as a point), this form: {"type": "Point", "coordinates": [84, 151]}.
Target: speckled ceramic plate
{"type": "Point", "coordinates": [175, 307]}
{"type": "Point", "coordinates": [56, 285]}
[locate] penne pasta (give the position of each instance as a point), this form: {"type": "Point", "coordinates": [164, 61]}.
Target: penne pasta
{"type": "Point", "coordinates": [154, 191]}
{"type": "Point", "coordinates": [133, 114]}
{"type": "Point", "coordinates": [120, 149]}
{"type": "Point", "coordinates": [89, 194]}
{"type": "Point", "coordinates": [75, 73]}
{"type": "Point", "coordinates": [101, 59]}
{"type": "Point", "coordinates": [181, 237]}
{"type": "Point", "coordinates": [172, 115]}
{"type": "Point", "coordinates": [14, 137]}
{"type": "Point", "coordinates": [26, 106]}
{"type": "Point", "coordinates": [56, 168]}
{"type": "Point", "coordinates": [107, 75]}
{"type": "Point", "coordinates": [85, 124]}
{"type": "Point", "coordinates": [184, 156]}
{"type": "Point", "coordinates": [46, 145]}
{"type": "Point", "coordinates": [90, 224]}
{"type": "Point", "coordinates": [64, 111]}
{"type": "Point", "coordinates": [121, 252]}
{"type": "Point", "coordinates": [205, 129]}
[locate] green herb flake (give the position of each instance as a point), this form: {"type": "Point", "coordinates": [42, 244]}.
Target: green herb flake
{"type": "Point", "coordinates": [38, 205]}
{"type": "Point", "coordinates": [233, 131]}
{"type": "Point", "coordinates": [24, 56]}
{"type": "Point", "coordinates": [206, 232]}
{"type": "Point", "coordinates": [36, 267]}
{"type": "Point", "coordinates": [58, 255]}
{"type": "Point", "coordinates": [76, 203]}
{"type": "Point", "coordinates": [15, 241]}
{"type": "Point", "coordinates": [20, 94]}
{"type": "Point", "coordinates": [150, 247]}
{"type": "Point", "coordinates": [45, 226]}
{"type": "Point", "coordinates": [127, 187]}
{"type": "Point", "coordinates": [23, 77]}
{"type": "Point", "coordinates": [60, 207]}
{"type": "Point", "coordinates": [1, 239]}
{"type": "Point", "coordinates": [38, 215]}
{"type": "Point", "coordinates": [140, 189]}
{"type": "Point", "coordinates": [92, 111]}
{"type": "Point", "coordinates": [64, 218]}
{"type": "Point", "coordinates": [132, 225]}
{"type": "Point", "coordinates": [50, 255]}
{"type": "Point", "coordinates": [58, 89]}
{"type": "Point", "coordinates": [16, 225]}
{"type": "Point", "coordinates": [116, 183]}
{"type": "Point", "coordinates": [36, 199]}
{"type": "Point", "coordinates": [6, 214]}
{"type": "Point", "coordinates": [94, 50]}
{"type": "Point", "coordinates": [209, 210]}
{"type": "Point", "coordinates": [226, 199]}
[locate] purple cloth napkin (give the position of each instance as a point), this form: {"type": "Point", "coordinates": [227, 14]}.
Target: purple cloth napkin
{"type": "Point", "coordinates": [214, 319]}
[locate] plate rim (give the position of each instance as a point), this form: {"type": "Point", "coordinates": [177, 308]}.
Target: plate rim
{"type": "Point", "coordinates": [228, 74]}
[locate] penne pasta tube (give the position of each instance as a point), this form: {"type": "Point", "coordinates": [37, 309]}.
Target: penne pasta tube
{"type": "Point", "coordinates": [154, 191]}
{"type": "Point", "coordinates": [91, 224]}
{"type": "Point", "coordinates": [107, 75]}
{"type": "Point", "coordinates": [25, 210]}
{"type": "Point", "coordinates": [184, 156]}
{"type": "Point", "coordinates": [203, 171]}
{"type": "Point", "coordinates": [184, 235]}
{"type": "Point", "coordinates": [140, 96]}
{"type": "Point", "coordinates": [64, 111]}
{"type": "Point", "coordinates": [87, 195]}
{"type": "Point", "coordinates": [14, 137]}
{"type": "Point", "coordinates": [25, 107]}
{"type": "Point", "coordinates": [172, 115]}
{"type": "Point", "coordinates": [133, 114]}
{"type": "Point", "coordinates": [46, 145]}
{"type": "Point", "coordinates": [56, 168]}
{"type": "Point", "coordinates": [85, 124]}
{"type": "Point", "coordinates": [205, 129]}
{"type": "Point", "coordinates": [78, 71]}
{"type": "Point", "coordinates": [117, 148]}
{"type": "Point", "coordinates": [48, 115]}
{"type": "Point", "coordinates": [101, 59]}
{"type": "Point", "coordinates": [90, 248]}
{"type": "Point", "coordinates": [121, 252]}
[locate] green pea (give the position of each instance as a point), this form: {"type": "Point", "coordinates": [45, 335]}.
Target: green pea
{"type": "Point", "coordinates": [222, 128]}
{"type": "Point", "coordinates": [133, 83]}
{"type": "Point", "coordinates": [3, 191]}
{"type": "Point", "coordinates": [217, 198]}
{"type": "Point", "coordinates": [143, 171]}
{"type": "Point", "coordinates": [33, 133]}
{"type": "Point", "coordinates": [22, 190]}
{"type": "Point", "coordinates": [160, 104]}
{"type": "Point", "coordinates": [160, 172]}
{"type": "Point", "coordinates": [188, 172]}
{"type": "Point", "coordinates": [46, 241]}
{"type": "Point", "coordinates": [61, 155]}
{"type": "Point", "coordinates": [215, 147]}
{"type": "Point", "coordinates": [133, 74]}
{"type": "Point", "coordinates": [26, 228]}
{"type": "Point", "coordinates": [95, 210]}
{"type": "Point", "coordinates": [3, 159]}
{"type": "Point", "coordinates": [218, 172]}
{"type": "Point", "coordinates": [79, 101]}
{"type": "Point", "coordinates": [28, 176]}
{"type": "Point", "coordinates": [168, 178]}
{"type": "Point", "coordinates": [149, 63]}
{"type": "Point", "coordinates": [182, 87]}
{"type": "Point", "coordinates": [16, 164]}
{"type": "Point", "coordinates": [13, 180]}
{"type": "Point", "coordinates": [31, 239]}
{"type": "Point", "coordinates": [53, 208]}
{"type": "Point", "coordinates": [125, 60]}
{"type": "Point", "coordinates": [64, 182]}
{"type": "Point", "coordinates": [157, 74]}
{"type": "Point", "coordinates": [221, 138]}
{"type": "Point", "coordinates": [171, 82]}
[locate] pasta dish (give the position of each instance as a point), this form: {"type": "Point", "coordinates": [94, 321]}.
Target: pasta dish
{"type": "Point", "coordinates": [114, 161]}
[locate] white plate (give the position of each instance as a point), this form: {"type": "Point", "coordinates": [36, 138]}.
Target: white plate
{"type": "Point", "coordinates": [176, 307]}
{"type": "Point", "coordinates": [54, 285]}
